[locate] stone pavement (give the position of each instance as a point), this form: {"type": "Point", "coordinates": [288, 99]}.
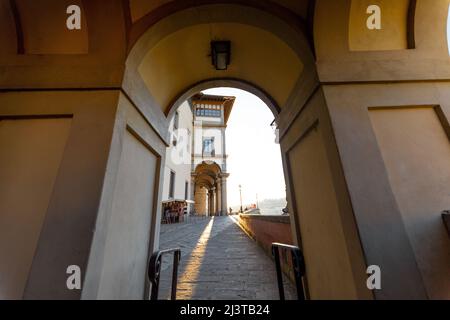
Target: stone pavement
{"type": "Point", "coordinates": [219, 262]}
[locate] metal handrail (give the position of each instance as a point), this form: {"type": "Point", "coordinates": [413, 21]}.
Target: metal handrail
{"type": "Point", "coordinates": [299, 268]}
{"type": "Point", "coordinates": [154, 271]}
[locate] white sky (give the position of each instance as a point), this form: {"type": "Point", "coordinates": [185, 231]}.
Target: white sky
{"type": "Point", "coordinates": [254, 158]}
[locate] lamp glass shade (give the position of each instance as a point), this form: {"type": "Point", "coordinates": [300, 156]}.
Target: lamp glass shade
{"type": "Point", "coordinates": [221, 54]}
{"type": "Point", "coordinates": [222, 61]}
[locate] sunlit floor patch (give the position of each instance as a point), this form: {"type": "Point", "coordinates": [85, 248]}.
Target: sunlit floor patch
{"type": "Point", "coordinates": [188, 278]}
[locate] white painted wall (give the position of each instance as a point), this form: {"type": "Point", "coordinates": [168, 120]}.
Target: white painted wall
{"type": "Point", "coordinates": [218, 133]}
{"type": "Point", "coordinates": [127, 245]}
{"type": "Point", "coordinates": [178, 158]}
{"type": "Point", "coordinates": [416, 152]}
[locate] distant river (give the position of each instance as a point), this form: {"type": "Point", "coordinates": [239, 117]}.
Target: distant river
{"type": "Point", "coordinates": [272, 207]}
{"type": "Point", "coordinates": [269, 207]}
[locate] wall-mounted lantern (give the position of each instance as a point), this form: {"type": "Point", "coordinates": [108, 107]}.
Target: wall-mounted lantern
{"type": "Point", "coordinates": [221, 54]}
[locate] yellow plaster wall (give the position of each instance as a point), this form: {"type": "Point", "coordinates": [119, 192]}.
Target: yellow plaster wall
{"type": "Point", "coordinates": [44, 27]}
{"type": "Point", "coordinates": [393, 33]}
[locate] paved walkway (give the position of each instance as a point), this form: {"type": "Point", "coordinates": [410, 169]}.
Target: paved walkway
{"type": "Point", "coordinates": [219, 262]}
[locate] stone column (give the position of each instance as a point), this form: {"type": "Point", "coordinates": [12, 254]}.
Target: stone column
{"type": "Point", "coordinates": [224, 151]}
{"type": "Point", "coordinates": [223, 182]}
{"type": "Point", "coordinates": [193, 186]}
{"type": "Point", "coordinates": [219, 197]}
{"type": "Point", "coordinates": [212, 207]}
{"type": "Point", "coordinates": [209, 203]}
{"type": "Point", "coordinates": [214, 195]}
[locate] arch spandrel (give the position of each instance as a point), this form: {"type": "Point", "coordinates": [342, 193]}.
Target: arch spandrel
{"type": "Point", "coordinates": [140, 8]}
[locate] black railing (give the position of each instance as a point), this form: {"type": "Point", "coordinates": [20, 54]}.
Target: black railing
{"type": "Point", "coordinates": [154, 271]}
{"type": "Point", "coordinates": [299, 268]}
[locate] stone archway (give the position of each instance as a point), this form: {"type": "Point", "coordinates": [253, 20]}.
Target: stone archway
{"type": "Point", "coordinates": [210, 185]}
{"type": "Point", "coordinates": [341, 95]}
{"type": "Point", "coordinates": [292, 87]}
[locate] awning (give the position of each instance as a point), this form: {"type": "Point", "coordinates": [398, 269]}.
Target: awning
{"type": "Point", "coordinates": [178, 200]}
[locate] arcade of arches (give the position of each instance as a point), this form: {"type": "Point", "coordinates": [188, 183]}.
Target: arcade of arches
{"type": "Point", "coordinates": [363, 117]}
{"type": "Point", "coordinates": [210, 189]}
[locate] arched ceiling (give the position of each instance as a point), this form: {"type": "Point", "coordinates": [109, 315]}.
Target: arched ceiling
{"type": "Point", "coordinates": [211, 169]}
{"type": "Point", "coordinates": [182, 59]}
{"type": "Point", "coordinates": [206, 174]}
{"type": "Point", "coordinates": [205, 181]}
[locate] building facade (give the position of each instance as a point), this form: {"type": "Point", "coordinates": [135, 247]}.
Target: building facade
{"type": "Point", "coordinates": [196, 160]}
{"type": "Point", "coordinates": [209, 157]}
{"type": "Point", "coordinates": [177, 168]}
